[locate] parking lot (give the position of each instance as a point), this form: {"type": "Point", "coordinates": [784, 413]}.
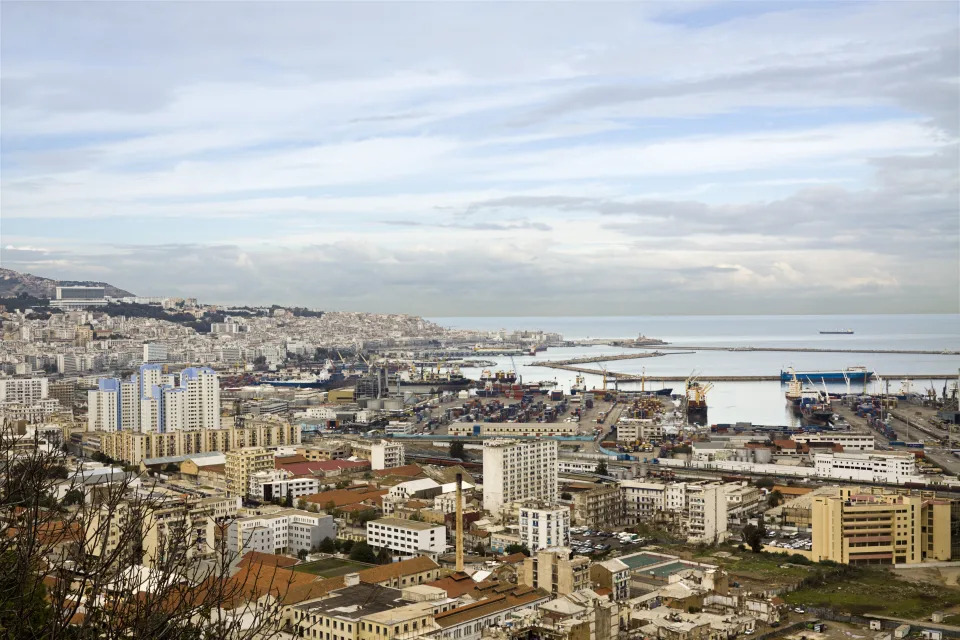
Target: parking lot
{"type": "Point", "coordinates": [584, 541]}
{"type": "Point", "coordinates": [788, 540]}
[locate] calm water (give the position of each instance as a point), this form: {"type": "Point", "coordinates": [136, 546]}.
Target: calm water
{"type": "Point", "coordinates": [757, 402]}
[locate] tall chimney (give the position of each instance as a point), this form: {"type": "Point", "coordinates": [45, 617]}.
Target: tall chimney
{"type": "Point", "coordinates": [459, 522]}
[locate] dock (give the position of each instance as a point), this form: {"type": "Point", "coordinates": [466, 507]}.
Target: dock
{"type": "Point", "coordinates": [556, 364]}
{"type": "Point", "coordinates": [920, 352]}
{"type": "Point", "coordinates": [631, 377]}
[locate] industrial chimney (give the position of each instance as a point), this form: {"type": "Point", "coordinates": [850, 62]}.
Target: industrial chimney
{"type": "Point", "coordinates": [459, 522]}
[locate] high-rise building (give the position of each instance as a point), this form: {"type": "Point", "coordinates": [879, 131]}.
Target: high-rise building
{"type": "Point", "coordinates": [73, 298]}
{"type": "Point", "coordinates": [151, 400]}
{"type": "Point", "coordinates": [543, 526]}
{"type": "Point", "coordinates": [555, 571]}
{"type": "Point", "coordinates": [516, 470]}
{"type": "Point", "coordinates": [241, 464]}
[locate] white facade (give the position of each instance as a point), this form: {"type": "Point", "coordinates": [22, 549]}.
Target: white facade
{"type": "Point", "coordinates": [287, 531]}
{"type": "Point", "coordinates": [893, 468]}
{"type": "Point", "coordinates": [542, 527]}
{"type": "Point", "coordinates": [394, 428]}
{"type": "Point", "coordinates": [154, 352]}
{"type": "Point", "coordinates": [519, 470]}
{"type": "Point", "coordinates": [641, 500]}
{"type": "Point", "coordinates": [702, 508]}
{"type": "Point", "coordinates": [153, 401]}
{"type": "Point", "coordinates": [849, 441]}
{"type": "Point", "coordinates": [386, 455]}
{"type": "Point", "coordinates": [706, 513]}
{"type": "Point", "coordinates": [294, 487]}
{"type": "Point", "coordinates": [23, 390]}
{"type": "Point", "coordinates": [406, 537]}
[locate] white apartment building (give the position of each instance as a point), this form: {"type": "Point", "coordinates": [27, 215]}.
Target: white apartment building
{"type": "Point", "coordinates": [286, 531]}
{"type": "Point", "coordinates": [395, 427]}
{"type": "Point", "coordinates": [639, 430]}
{"type": "Point", "coordinates": [154, 352]}
{"type": "Point", "coordinates": [23, 390]}
{"type": "Point", "coordinates": [293, 487]}
{"type": "Point", "coordinates": [407, 537]}
{"type": "Point", "coordinates": [71, 298]}
{"type": "Point", "coordinates": [152, 401]}
{"type": "Point", "coordinates": [893, 468]}
{"type": "Point", "coordinates": [516, 470]}
{"type": "Point", "coordinates": [543, 526]}
{"type": "Point", "coordinates": [700, 508]}
{"type": "Point", "coordinates": [382, 454]}
{"type": "Point", "coordinates": [849, 441]}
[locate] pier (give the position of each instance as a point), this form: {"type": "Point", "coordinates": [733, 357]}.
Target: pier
{"type": "Point", "coordinates": [919, 352]}
{"type": "Point", "coordinates": [556, 364]}
{"type": "Point", "coordinates": [630, 377]}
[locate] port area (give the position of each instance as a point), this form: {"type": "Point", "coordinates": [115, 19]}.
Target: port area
{"type": "Point", "coordinates": [556, 364]}
{"type": "Point", "coordinates": [911, 423]}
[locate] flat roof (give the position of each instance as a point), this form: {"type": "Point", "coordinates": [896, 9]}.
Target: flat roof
{"type": "Point", "coordinates": [406, 524]}
{"type": "Point", "coordinates": [356, 601]}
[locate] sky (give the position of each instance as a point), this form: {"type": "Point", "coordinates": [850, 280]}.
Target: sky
{"type": "Point", "coordinates": [488, 158]}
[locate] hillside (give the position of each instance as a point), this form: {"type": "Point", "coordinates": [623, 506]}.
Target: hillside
{"type": "Point", "coordinates": [13, 283]}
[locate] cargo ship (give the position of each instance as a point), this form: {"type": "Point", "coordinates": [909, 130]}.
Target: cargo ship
{"type": "Point", "coordinates": [324, 380]}
{"type": "Point", "coordinates": [434, 381]}
{"type": "Point", "coordinates": [851, 374]}
{"type": "Point", "coordinates": [695, 403]}
{"type": "Point", "coordinates": [842, 332]}
{"type": "Point", "coordinates": [503, 377]}
{"type": "Point", "coordinates": [812, 406]}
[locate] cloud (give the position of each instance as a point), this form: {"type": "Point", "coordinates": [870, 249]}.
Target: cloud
{"type": "Point", "coordinates": [451, 158]}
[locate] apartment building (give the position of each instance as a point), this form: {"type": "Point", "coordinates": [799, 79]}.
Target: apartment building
{"type": "Point", "coordinates": [555, 572]}
{"type": "Point", "coordinates": [638, 430]}
{"type": "Point", "coordinates": [292, 487]}
{"type": "Point", "coordinates": [24, 390]}
{"type": "Point", "coordinates": [543, 526]}
{"type": "Point", "coordinates": [382, 454]}
{"type": "Point", "coordinates": [598, 506]}
{"type": "Point", "coordinates": [519, 470]}
{"type": "Point", "coordinates": [698, 509]}
{"type": "Point", "coordinates": [874, 525]}
{"type": "Point", "coordinates": [241, 464]}
{"type": "Point", "coordinates": [326, 450]}
{"type": "Point", "coordinates": [134, 447]}
{"type": "Point", "coordinates": [287, 531]}
{"type": "Point", "coordinates": [151, 400]}
{"type": "Point", "coordinates": [407, 537]}
{"type": "Point", "coordinates": [614, 575]}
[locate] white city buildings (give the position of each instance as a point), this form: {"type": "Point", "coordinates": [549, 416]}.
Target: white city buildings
{"type": "Point", "coordinates": [23, 390]}
{"type": "Point", "coordinates": [849, 441]}
{"type": "Point", "coordinates": [407, 537]}
{"type": "Point", "coordinates": [154, 352]}
{"type": "Point", "coordinates": [543, 526]}
{"type": "Point", "coordinates": [699, 508]}
{"type": "Point", "coordinates": [151, 401]}
{"type": "Point", "coordinates": [639, 430]}
{"type": "Point", "coordinates": [516, 470]}
{"type": "Point", "coordinates": [892, 468]}
{"type": "Point", "coordinates": [286, 531]}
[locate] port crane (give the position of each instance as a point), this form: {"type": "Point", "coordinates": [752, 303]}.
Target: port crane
{"type": "Point", "coordinates": [516, 371]}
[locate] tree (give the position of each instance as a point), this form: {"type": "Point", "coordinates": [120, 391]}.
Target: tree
{"type": "Point", "coordinates": [479, 550]}
{"type": "Point", "coordinates": [517, 548]}
{"type": "Point", "coordinates": [566, 496]}
{"type": "Point", "coordinates": [384, 556]}
{"type": "Point", "coordinates": [765, 483]}
{"type": "Point", "coordinates": [302, 554]}
{"type": "Point", "coordinates": [302, 504]}
{"type": "Point", "coordinates": [601, 469]}
{"type": "Point", "coordinates": [457, 450]}
{"type": "Point", "coordinates": [327, 545]}
{"type": "Point", "coordinates": [362, 552]}
{"type": "Point", "coordinates": [774, 498]}
{"type": "Point", "coordinates": [72, 497]}
{"type": "Point", "coordinates": [345, 545]}
{"type": "Point", "coordinates": [330, 506]}
{"type": "Point", "coordinates": [54, 559]}
{"type": "Point", "coordinates": [753, 536]}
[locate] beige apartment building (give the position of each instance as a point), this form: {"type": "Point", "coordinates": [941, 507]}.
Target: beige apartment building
{"type": "Point", "coordinates": [874, 525]}
{"type": "Point", "coordinates": [241, 464]}
{"type": "Point", "coordinates": [554, 571]}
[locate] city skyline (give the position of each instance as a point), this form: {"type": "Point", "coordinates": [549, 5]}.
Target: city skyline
{"type": "Point", "coordinates": [470, 159]}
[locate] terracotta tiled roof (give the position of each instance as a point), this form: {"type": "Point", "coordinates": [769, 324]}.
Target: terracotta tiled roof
{"type": "Point", "coordinates": [285, 460]}
{"type": "Point", "coordinates": [408, 470]}
{"type": "Point", "coordinates": [342, 497]}
{"type": "Point", "coordinates": [392, 570]}
{"type": "Point", "coordinates": [256, 557]}
{"type": "Point", "coordinates": [456, 584]}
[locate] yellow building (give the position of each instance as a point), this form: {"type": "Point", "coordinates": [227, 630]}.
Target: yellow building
{"type": "Point", "coordinates": [133, 447]}
{"type": "Point", "coordinates": [340, 396]}
{"type": "Point", "coordinates": [241, 464]}
{"type": "Point", "coordinates": [873, 525]}
{"type": "Point", "coordinates": [554, 571]}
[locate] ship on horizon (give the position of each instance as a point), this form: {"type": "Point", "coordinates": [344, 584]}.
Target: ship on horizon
{"type": "Point", "coordinates": [849, 374]}
{"type": "Point", "coordinates": [844, 332]}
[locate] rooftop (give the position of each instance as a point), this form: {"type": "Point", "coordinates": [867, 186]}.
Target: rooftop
{"type": "Point", "coordinates": [405, 524]}
{"type": "Point", "coordinates": [356, 601]}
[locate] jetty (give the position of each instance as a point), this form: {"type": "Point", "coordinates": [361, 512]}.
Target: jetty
{"type": "Point", "coordinates": [921, 352]}
{"type": "Point", "coordinates": [632, 377]}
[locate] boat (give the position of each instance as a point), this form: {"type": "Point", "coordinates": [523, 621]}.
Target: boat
{"type": "Point", "coordinates": [842, 332]}
{"type": "Point", "coordinates": [325, 380]}
{"type": "Point", "coordinates": [851, 374]}
{"type": "Point", "coordinates": [503, 377]}
{"type": "Point", "coordinates": [451, 380]}
{"type": "Point", "coordinates": [663, 392]}
{"type": "Point", "coordinates": [696, 402]}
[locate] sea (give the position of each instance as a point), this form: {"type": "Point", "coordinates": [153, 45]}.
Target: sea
{"type": "Point", "coordinates": [760, 403]}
